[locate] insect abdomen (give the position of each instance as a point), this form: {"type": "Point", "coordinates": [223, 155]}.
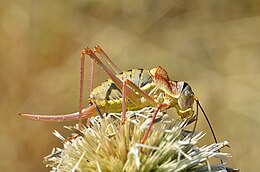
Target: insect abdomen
{"type": "Point", "coordinates": [109, 97]}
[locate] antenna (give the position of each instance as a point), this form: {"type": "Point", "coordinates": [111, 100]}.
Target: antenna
{"type": "Point", "coordinates": [207, 119]}
{"type": "Point", "coordinates": [196, 116]}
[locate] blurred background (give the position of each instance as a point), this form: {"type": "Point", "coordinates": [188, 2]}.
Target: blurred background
{"type": "Point", "coordinates": [213, 45]}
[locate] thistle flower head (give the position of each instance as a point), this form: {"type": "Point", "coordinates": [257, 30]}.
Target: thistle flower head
{"type": "Point", "coordinates": [109, 145]}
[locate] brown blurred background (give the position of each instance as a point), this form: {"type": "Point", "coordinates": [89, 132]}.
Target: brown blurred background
{"type": "Point", "coordinates": [213, 45]}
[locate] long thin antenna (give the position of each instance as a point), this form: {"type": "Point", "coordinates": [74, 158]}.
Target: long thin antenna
{"type": "Point", "coordinates": [210, 126]}
{"type": "Point", "coordinates": [196, 117]}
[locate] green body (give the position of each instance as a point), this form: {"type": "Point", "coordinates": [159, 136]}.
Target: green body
{"type": "Point", "coordinates": [108, 96]}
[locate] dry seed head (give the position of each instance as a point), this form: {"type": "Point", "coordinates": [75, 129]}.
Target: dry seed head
{"type": "Point", "coordinates": [110, 146]}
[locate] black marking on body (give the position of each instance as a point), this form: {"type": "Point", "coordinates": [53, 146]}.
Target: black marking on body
{"type": "Point", "coordinates": [108, 91]}
{"type": "Point", "coordinates": [110, 94]}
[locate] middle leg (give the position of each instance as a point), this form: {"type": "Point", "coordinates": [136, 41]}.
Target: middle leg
{"type": "Point", "coordinates": [126, 83]}
{"type": "Point", "coordinates": [150, 101]}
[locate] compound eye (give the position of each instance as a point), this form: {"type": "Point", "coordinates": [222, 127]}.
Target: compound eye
{"type": "Point", "coordinates": [187, 93]}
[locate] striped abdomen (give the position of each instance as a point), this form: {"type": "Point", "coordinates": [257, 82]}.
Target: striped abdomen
{"type": "Point", "coordinates": [108, 96]}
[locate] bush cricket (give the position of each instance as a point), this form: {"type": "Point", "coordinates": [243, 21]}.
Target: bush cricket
{"type": "Point", "coordinates": [130, 90]}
